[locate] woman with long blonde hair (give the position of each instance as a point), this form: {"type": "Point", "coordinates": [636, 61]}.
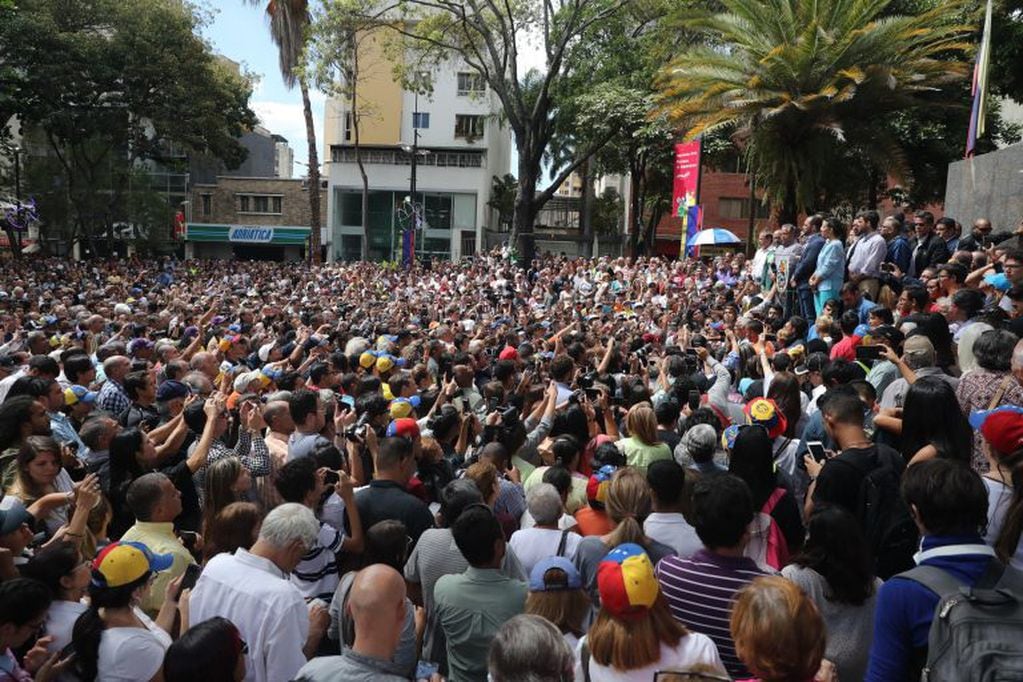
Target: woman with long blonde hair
{"type": "Point", "coordinates": [642, 446]}
{"type": "Point", "coordinates": [628, 504]}
{"type": "Point", "coordinates": [634, 634]}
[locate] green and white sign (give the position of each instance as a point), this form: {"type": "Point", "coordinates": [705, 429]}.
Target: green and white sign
{"type": "Point", "coordinates": [280, 235]}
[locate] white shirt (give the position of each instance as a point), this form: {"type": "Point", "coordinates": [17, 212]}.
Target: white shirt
{"type": "Point", "coordinates": [5, 384]}
{"type": "Point", "coordinates": [673, 530]}
{"type": "Point", "coordinates": [268, 610]}
{"type": "Point", "coordinates": [531, 545]}
{"type": "Point", "coordinates": [867, 254]}
{"type": "Point", "coordinates": [132, 654]}
{"type": "Point", "coordinates": [692, 650]}
{"type": "Point", "coordinates": [60, 621]}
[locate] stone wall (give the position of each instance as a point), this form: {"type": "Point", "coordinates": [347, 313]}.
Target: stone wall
{"type": "Point", "coordinates": [987, 186]}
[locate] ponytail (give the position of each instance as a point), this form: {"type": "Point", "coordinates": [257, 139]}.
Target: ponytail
{"type": "Point", "coordinates": [1012, 526]}
{"type": "Point", "coordinates": [627, 504]}
{"type": "Point", "coordinates": [88, 629]}
{"type": "Point", "coordinates": [86, 635]}
{"type": "Point", "coordinates": [627, 530]}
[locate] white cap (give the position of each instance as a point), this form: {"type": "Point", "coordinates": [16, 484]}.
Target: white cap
{"type": "Point", "coordinates": [264, 351]}
{"type": "Point", "coordinates": [243, 380]}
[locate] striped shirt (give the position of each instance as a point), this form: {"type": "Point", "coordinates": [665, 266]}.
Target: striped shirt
{"type": "Point", "coordinates": [318, 573]}
{"type": "Point", "coordinates": [700, 593]}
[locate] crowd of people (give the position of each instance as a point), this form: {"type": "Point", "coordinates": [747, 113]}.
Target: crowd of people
{"type": "Point", "coordinates": [777, 468]}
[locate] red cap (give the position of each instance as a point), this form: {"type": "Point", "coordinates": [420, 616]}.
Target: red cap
{"type": "Point", "coordinates": [403, 428]}
{"type": "Point", "coordinates": [1002, 428]}
{"type": "Point", "coordinates": [508, 353]}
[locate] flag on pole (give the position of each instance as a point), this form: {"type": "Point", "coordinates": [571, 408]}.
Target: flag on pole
{"type": "Point", "coordinates": [978, 112]}
{"type": "Point", "coordinates": [408, 247]}
{"type": "Point", "coordinates": [692, 222]}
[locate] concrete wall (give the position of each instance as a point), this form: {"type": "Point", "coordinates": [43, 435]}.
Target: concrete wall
{"type": "Point", "coordinates": [988, 186]}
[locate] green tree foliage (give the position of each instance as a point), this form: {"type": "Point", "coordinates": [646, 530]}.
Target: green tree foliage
{"type": "Point", "coordinates": [489, 37]}
{"type": "Point", "coordinates": [103, 87]}
{"type": "Point", "coordinates": [796, 84]}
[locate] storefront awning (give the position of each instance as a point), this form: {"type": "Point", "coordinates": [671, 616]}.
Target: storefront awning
{"type": "Point", "coordinates": [280, 235]}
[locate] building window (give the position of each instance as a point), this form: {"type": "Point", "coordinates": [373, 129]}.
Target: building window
{"type": "Point", "coordinates": [437, 209]}
{"type": "Point", "coordinates": [468, 126]}
{"type": "Point", "coordinates": [739, 209]}
{"type": "Point", "coordinates": [348, 126]}
{"type": "Point", "coordinates": [420, 119]}
{"type": "Point", "coordinates": [470, 84]}
{"type": "Point", "coordinates": [207, 204]}
{"type": "Point", "coordinates": [470, 158]}
{"type": "Point", "coordinates": [259, 203]}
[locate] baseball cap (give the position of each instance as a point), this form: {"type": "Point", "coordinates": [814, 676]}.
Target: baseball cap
{"type": "Point", "coordinates": [385, 363]}
{"type": "Point", "coordinates": [245, 378]}
{"type": "Point", "coordinates": [765, 412]}
{"type": "Point", "coordinates": [122, 563]}
{"type": "Point", "coordinates": [171, 389]}
{"type": "Point", "coordinates": [403, 428]}
{"type": "Point", "coordinates": [508, 353]}
{"type": "Point", "coordinates": [920, 347]}
{"type": "Point", "coordinates": [77, 394]}
{"type": "Point", "coordinates": [367, 359]}
{"type": "Point", "coordinates": [998, 280]}
{"type": "Point", "coordinates": [626, 582]}
{"type": "Point", "coordinates": [139, 344]}
{"type": "Point", "coordinates": [404, 407]}
{"type": "Point", "coordinates": [554, 574]}
{"type": "Point", "coordinates": [597, 485]}
{"type": "Point", "coordinates": [1002, 427]}
{"type": "Point", "coordinates": [11, 519]}
{"type": "Point", "coordinates": [264, 351]}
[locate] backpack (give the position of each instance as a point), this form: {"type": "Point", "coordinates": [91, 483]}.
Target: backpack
{"type": "Point", "coordinates": [767, 545]}
{"type": "Point", "coordinates": [884, 516]}
{"type": "Point", "coordinates": [977, 632]}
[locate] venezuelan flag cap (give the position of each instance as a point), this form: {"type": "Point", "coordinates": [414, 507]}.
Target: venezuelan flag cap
{"type": "Point", "coordinates": [600, 481]}
{"type": "Point", "coordinates": [626, 582]}
{"type": "Point", "coordinates": [121, 563]}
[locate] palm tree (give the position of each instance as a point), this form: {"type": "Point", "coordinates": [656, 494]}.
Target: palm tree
{"type": "Point", "coordinates": [289, 21]}
{"type": "Point", "coordinates": [797, 83]}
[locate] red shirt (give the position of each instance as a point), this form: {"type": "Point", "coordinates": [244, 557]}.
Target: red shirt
{"type": "Point", "coordinates": [846, 348]}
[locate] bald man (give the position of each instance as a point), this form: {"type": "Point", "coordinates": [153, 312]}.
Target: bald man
{"type": "Point", "coordinates": [377, 605]}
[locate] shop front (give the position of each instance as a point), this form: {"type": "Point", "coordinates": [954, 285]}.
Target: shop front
{"type": "Point", "coordinates": [246, 242]}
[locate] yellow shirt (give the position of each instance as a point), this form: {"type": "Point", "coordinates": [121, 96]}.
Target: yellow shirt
{"type": "Point", "coordinates": [160, 539]}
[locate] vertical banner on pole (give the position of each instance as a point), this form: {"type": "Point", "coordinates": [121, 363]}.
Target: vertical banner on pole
{"type": "Point", "coordinates": [408, 247]}
{"type": "Point", "coordinates": [686, 192]}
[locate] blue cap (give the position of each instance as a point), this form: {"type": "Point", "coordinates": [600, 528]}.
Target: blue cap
{"type": "Point", "coordinates": [861, 331]}
{"type": "Point", "coordinates": [539, 581]}
{"type": "Point", "coordinates": [978, 417]}
{"type": "Point", "coordinates": [999, 281]}
{"type": "Point", "coordinates": [171, 389]}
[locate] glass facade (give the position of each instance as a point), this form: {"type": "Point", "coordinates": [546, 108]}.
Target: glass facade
{"type": "Point", "coordinates": [389, 214]}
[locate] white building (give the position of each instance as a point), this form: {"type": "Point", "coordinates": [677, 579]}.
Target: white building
{"type": "Point", "coordinates": [459, 146]}
{"type": "Point", "coordinates": [284, 158]}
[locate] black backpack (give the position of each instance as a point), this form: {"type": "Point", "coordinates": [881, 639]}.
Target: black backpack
{"type": "Point", "coordinates": [884, 516]}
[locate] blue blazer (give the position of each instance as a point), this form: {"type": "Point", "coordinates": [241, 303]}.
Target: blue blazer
{"type": "Point", "coordinates": [808, 261]}
{"type": "Point", "coordinates": [831, 266]}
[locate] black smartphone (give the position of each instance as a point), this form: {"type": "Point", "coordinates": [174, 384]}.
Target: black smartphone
{"type": "Point", "coordinates": [866, 353]}
{"type": "Point", "coordinates": [816, 449]}
{"type": "Point", "coordinates": [191, 576]}
{"type": "Point", "coordinates": [694, 400]}
{"type": "Point", "coordinates": [592, 393]}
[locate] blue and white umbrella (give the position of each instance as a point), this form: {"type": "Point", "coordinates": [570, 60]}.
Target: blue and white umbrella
{"type": "Point", "coordinates": [713, 236]}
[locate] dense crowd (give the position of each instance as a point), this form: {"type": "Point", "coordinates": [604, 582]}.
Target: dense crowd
{"type": "Point", "coordinates": [775, 468]}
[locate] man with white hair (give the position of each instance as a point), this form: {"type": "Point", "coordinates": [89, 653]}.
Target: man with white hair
{"type": "Point", "coordinates": [251, 589]}
{"type": "Point", "coordinates": [545, 539]}
{"type": "Point", "coordinates": [112, 396]}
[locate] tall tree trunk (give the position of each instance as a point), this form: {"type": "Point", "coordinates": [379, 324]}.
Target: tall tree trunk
{"type": "Point", "coordinates": [314, 176]}
{"type": "Point", "coordinates": [872, 188]}
{"type": "Point", "coordinates": [586, 210]}
{"type": "Point", "coordinates": [789, 208]}
{"type": "Point", "coordinates": [635, 206]}
{"type": "Point", "coordinates": [521, 238]}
